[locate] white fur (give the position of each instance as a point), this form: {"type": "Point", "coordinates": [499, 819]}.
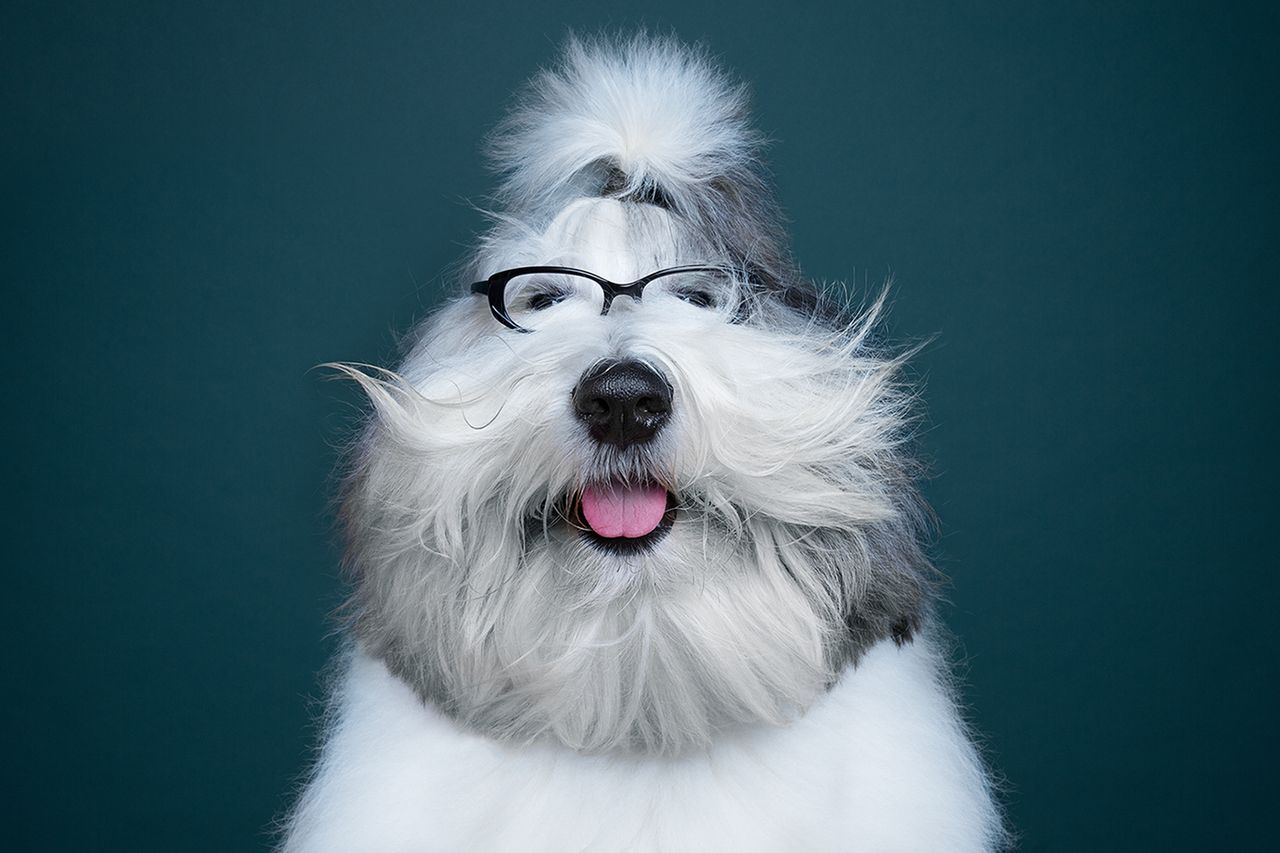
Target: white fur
{"type": "Point", "coordinates": [663, 113]}
{"type": "Point", "coordinates": [515, 687]}
{"type": "Point", "coordinates": [880, 763]}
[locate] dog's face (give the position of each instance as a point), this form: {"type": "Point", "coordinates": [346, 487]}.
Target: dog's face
{"type": "Point", "coordinates": [631, 528]}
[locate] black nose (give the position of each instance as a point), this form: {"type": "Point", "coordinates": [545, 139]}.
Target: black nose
{"type": "Point", "coordinates": [623, 402]}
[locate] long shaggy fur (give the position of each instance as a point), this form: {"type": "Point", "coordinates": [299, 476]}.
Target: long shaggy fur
{"type": "Point", "coordinates": [796, 548]}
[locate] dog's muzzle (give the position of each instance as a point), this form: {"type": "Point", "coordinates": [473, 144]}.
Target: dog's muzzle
{"type": "Point", "coordinates": [623, 402]}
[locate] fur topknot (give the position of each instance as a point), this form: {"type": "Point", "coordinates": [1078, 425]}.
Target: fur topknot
{"type": "Point", "coordinates": [640, 118]}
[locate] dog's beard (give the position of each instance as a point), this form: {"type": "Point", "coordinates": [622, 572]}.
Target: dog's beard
{"type": "Point", "coordinates": [791, 547]}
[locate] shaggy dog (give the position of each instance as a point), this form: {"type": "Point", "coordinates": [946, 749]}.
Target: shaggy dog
{"type": "Point", "coordinates": [634, 544]}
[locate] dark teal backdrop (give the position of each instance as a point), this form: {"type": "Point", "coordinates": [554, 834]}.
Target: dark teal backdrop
{"type": "Point", "coordinates": [203, 201]}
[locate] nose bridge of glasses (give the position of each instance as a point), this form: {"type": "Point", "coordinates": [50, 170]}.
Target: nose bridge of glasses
{"type": "Point", "coordinates": [612, 291]}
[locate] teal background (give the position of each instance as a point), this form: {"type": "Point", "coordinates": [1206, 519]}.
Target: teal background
{"type": "Point", "coordinates": [204, 201]}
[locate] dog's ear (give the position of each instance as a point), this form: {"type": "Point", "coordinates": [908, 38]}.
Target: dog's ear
{"type": "Point", "coordinates": [895, 615]}
{"type": "Point", "coordinates": [882, 575]}
{"type": "Point", "coordinates": [892, 608]}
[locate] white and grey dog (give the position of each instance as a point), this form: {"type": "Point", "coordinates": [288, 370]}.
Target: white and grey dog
{"type": "Point", "coordinates": [634, 545]}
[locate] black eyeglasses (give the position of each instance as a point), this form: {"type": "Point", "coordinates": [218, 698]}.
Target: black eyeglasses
{"type": "Point", "coordinates": [517, 296]}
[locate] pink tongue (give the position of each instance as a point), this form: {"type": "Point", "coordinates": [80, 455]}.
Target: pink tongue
{"type": "Point", "coordinates": [629, 511]}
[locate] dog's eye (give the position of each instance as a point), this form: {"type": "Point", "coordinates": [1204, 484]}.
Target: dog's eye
{"type": "Point", "coordinates": [540, 300]}
{"type": "Point", "coordinates": [544, 300]}
{"type": "Point", "coordinates": [701, 298]}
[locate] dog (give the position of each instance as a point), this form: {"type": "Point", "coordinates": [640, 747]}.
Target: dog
{"type": "Point", "coordinates": [635, 546]}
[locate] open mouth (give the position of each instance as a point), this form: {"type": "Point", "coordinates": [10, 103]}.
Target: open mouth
{"type": "Point", "coordinates": [623, 518]}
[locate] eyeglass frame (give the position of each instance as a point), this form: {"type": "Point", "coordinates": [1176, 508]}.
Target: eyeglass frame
{"type": "Point", "coordinates": [494, 287]}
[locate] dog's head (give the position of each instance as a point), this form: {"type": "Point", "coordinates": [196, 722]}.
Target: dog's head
{"type": "Point", "coordinates": [641, 482]}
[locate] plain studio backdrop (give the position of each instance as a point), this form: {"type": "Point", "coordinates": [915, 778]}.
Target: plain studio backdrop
{"type": "Point", "coordinates": [204, 201]}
